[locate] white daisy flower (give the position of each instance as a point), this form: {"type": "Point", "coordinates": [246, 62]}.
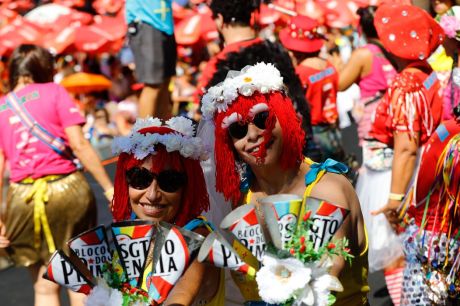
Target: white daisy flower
{"type": "Point", "coordinates": [182, 125]}
{"type": "Point", "coordinates": [279, 279]}
{"type": "Point", "coordinates": [261, 77]}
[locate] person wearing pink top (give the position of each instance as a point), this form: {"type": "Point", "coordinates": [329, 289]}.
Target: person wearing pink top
{"type": "Point", "coordinates": [370, 67]}
{"type": "Point", "coordinates": [49, 201]}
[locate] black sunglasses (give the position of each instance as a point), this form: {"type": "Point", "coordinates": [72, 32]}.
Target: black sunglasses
{"type": "Point", "coordinates": [168, 180]}
{"type": "Point", "coordinates": [239, 129]}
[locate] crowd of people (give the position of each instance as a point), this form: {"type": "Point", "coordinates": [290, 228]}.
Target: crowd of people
{"type": "Point", "coordinates": [256, 111]}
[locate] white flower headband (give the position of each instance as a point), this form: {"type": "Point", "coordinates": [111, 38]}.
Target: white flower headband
{"type": "Point", "coordinates": [261, 77]}
{"type": "Point", "coordinates": [142, 145]}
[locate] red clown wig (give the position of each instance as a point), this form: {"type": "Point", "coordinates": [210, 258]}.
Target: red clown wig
{"type": "Point", "coordinates": [281, 109]}
{"type": "Point", "coordinates": [194, 195]}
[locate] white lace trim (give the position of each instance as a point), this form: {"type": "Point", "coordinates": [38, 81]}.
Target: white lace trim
{"type": "Point", "coordinates": [142, 145]}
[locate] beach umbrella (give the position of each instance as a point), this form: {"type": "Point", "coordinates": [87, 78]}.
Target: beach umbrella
{"type": "Point", "coordinates": [19, 31]}
{"type": "Point", "coordinates": [311, 9]}
{"type": "Point", "coordinates": [6, 16]}
{"type": "Point", "coordinates": [268, 15]}
{"type": "Point", "coordinates": [47, 14]}
{"type": "Point", "coordinates": [195, 27]}
{"type": "Point", "coordinates": [58, 42]}
{"type": "Point", "coordinates": [91, 39]}
{"type": "Point", "coordinates": [340, 13]}
{"type": "Point", "coordinates": [20, 6]}
{"type": "Point", "coordinates": [115, 26]}
{"type": "Point", "coordinates": [83, 82]}
{"type": "Point", "coordinates": [71, 3]}
{"type": "Point", "coordinates": [108, 6]}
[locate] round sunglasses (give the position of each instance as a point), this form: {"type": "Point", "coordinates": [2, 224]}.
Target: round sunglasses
{"type": "Point", "coordinates": [238, 130]}
{"type": "Point", "coordinates": [168, 180]}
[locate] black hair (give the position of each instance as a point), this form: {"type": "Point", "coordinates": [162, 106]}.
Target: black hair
{"type": "Point", "coordinates": [234, 11]}
{"type": "Point", "coordinates": [104, 110]}
{"type": "Point", "coordinates": [366, 21]}
{"type": "Point", "coordinates": [31, 61]}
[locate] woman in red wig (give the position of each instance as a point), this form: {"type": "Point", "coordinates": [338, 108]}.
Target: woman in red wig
{"type": "Point", "coordinates": [258, 141]}
{"type": "Point", "coordinates": [159, 178]}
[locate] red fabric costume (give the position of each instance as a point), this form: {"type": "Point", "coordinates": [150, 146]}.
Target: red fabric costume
{"type": "Point", "coordinates": [412, 104]}
{"type": "Point", "coordinates": [322, 87]}
{"type": "Point", "coordinates": [427, 186]}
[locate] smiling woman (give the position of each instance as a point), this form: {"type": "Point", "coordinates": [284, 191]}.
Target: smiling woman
{"type": "Point", "coordinates": [258, 143]}
{"type": "Point", "coordinates": [159, 178]}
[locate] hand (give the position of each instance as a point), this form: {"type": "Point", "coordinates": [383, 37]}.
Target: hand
{"type": "Point", "coordinates": [4, 242]}
{"type": "Point", "coordinates": [391, 213]}
{"type": "Point", "coordinates": [336, 61]}
{"type": "Point", "coordinates": [109, 194]}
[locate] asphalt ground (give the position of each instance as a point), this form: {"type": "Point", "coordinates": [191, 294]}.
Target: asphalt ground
{"type": "Point", "coordinates": [16, 285]}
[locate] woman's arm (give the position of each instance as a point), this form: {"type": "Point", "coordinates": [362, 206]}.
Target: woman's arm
{"type": "Point", "coordinates": [186, 289]}
{"type": "Point", "coordinates": [88, 157]}
{"type": "Point", "coordinates": [403, 167]}
{"type": "Point", "coordinates": [4, 242]}
{"type": "Point", "coordinates": [189, 285]}
{"type": "Point", "coordinates": [336, 189]}
{"type": "Point", "coordinates": [353, 70]}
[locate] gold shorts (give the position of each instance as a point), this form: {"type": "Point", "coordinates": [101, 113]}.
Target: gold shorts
{"type": "Point", "coordinates": [71, 209]}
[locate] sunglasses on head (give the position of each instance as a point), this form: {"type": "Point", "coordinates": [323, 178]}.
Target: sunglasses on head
{"type": "Point", "coordinates": [238, 130]}
{"type": "Point", "coordinates": [168, 180]}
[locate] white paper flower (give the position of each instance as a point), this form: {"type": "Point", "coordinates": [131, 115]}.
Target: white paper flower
{"type": "Point", "coordinates": [187, 150]}
{"type": "Point", "coordinates": [208, 108]}
{"type": "Point", "coordinates": [247, 89]}
{"type": "Point", "coordinates": [320, 286]}
{"type": "Point", "coordinates": [261, 77]}
{"type": "Point", "coordinates": [230, 94]}
{"type": "Point", "coordinates": [173, 144]}
{"type": "Point", "coordinates": [99, 296]}
{"type": "Point", "coordinates": [116, 298]}
{"type": "Point", "coordinates": [143, 123]}
{"type": "Point", "coordinates": [182, 125]}
{"type": "Point", "coordinates": [142, 145]}
{"type": "Point", "coordinates": [279, 279]}
{"type": "Point", "coordinates": [120, 144]}
{"type": "Point", "coordinates": [103, 295]}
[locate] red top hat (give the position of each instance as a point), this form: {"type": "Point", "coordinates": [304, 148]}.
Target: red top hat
{"type": "Point", "coordinates": [407, 31]}
{"type": "Point", "coordinates": [302, 35]}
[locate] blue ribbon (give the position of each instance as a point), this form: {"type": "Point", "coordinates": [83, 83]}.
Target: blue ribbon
{"type": "Point", "coordinates": [193, 224]}
{"type": "Point", "coordinates": [329, 165]}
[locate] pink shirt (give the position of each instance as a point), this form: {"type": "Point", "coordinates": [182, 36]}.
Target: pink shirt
{"type": "Point", "coordinates": [381, 76]}
{"type": "Point", "coordinates": [51, 106]}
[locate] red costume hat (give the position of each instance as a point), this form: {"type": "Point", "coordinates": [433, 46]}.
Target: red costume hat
{"type": "Point", "coordinates": [302, 35]}
{"type": "Point", "coordinates": [172, 144]}
{"type": "Point", "coordinates": [235, 97]}
{"type": "Point", "coordinates": [407, 31]}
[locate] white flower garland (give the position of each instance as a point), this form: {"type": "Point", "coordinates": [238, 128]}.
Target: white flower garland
{"type": "Point", "coordinates": [142, 145]}
{"type": "Point", "coordinates": [280, 280]}
{"type": "Point", "coordinates": [103, 295]}
{"type": "Point", "coordinates": [261, 77]}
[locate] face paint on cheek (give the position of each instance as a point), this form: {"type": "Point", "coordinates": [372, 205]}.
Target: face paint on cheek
{"type": "Point", "coordinates": [267, 134]}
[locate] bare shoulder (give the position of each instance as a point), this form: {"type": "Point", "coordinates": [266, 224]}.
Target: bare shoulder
{"type": "Point", "coordinates": [336, 188]}
{"type": "Point", "coordinates": [362, 53]}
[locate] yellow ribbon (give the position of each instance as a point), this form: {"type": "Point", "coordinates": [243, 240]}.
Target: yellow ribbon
{"type": "Point", "coordinates": [39, 194]}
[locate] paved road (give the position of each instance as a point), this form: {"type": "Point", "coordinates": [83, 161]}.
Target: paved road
{"type": "Point", "coordinates": [16, 286]}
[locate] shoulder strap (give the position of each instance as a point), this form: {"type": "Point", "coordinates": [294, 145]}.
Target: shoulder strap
{"type": "Point", "coordinates": [198, 222]}
{"type": "Point", "coordinates": [55, 143]}
{"type": "Point", "coordinates": [316, 172]}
